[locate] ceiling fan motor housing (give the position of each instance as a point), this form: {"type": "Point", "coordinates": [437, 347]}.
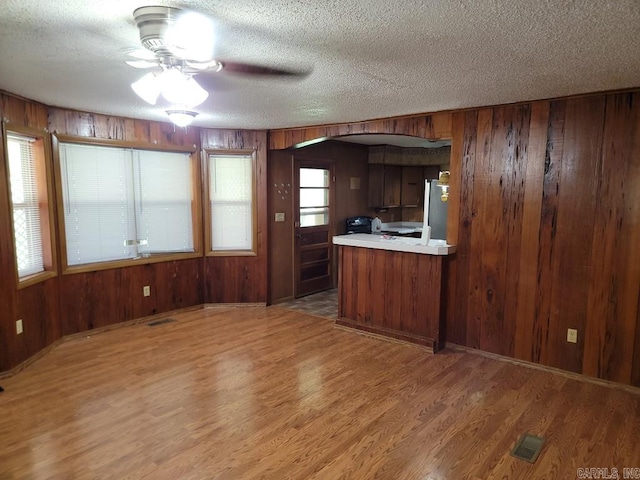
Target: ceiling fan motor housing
{"type": "Point", "coordinates": [153, 23]}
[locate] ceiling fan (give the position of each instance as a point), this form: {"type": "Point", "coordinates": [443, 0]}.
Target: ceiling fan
{"type": "Point", "coordinates": [178, 45]}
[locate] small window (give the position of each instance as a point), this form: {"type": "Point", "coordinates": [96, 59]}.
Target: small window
{"type": "Point", "coordinates": [231, 203]}
{"type": "Point", "coordinates": [314, 197]}
{"type": "Point", "coordinates": [30, 206]}
{"type": "Point", "coordinates": [122, 203]}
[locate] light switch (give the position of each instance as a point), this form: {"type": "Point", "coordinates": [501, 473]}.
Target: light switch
{"type": "Point", "coordinates": [279, 216]}
{"type": "Point", "coordinates": [354, 183]}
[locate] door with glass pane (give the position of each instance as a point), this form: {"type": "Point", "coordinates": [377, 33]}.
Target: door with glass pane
{"type": "Point", "coordinates": [313, 227]}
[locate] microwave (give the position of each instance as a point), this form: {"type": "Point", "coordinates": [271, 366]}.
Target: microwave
{"type": "Point", "coordinates": [360, 224]}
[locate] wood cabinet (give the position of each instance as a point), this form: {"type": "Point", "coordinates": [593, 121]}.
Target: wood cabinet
{"type": "Point", "coordinates": [385, 185]}
{"type": "Point", "coordinates": [412, 186]}
{"type": "Point", "coordinates": [395, 186]}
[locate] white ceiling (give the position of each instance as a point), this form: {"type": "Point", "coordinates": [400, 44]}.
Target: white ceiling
{"type": "Point", "coordinates": [370, 58]}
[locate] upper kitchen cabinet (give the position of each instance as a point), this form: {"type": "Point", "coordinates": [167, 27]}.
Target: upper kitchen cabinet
{"type": "Point", "coordinates": [397, 173]}
{"type": "Point", "coordinates": [385, 185]}
{"type": "Point", "coordinates": [412, 186]}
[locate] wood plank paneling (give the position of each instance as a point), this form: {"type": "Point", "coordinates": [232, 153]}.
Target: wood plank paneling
{"type": "Point", "coordinates": [463, 154]}
{"type": "Point", "coordinates": [548, 221]}
{"type": "Point", "coordinates": [611, 315]}
{"type": "Point", "coordinates": [240, 279]}
{"type": "Point", "coordinates": [574, 228]}
{"type": "Point", "coordinates": [532, 205]}
{"type": "Point", "coordinates": [408, 285]}
{"type": "Point", "coordinates": [550, 203]}
{"type": "Point", "coordinates": [94, 125]}
{"type": "Point", "coordinates": [281, 237]}
{"type": "Point", "coordinates": [481, 168]}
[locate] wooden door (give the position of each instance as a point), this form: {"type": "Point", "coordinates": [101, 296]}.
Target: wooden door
{"type": "Point", "coordinates": [313, 227]}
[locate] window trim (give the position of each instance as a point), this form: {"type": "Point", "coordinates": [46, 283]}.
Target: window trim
{"type": "Point", "coordinates": [196, 209]}
{"type": "Point", "coordinates": [253, 251]}
{"type": "Point", "coordinates": [42, 154]}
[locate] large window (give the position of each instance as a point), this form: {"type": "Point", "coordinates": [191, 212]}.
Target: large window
{"type": "Point", "coordinates": [30, 200]}
{"type": "Point", "coordinates": [122, 203]}
{"type": "Point", "coordinates": [232, 202]}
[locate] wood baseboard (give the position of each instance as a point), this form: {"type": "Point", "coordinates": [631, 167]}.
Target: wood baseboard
{"type": "Point", "coordinates": [536, 366]}
{"type": "Point", "coordinates": [235, 305]}
{"type": "Point", "coordinates": [33, 358]}
{"type": "Point", "coordinates": [37, 356]}
{"type": "Point", "coordinates": [384, 338]}
{"type": "Point", "coordinates": [429, 343]}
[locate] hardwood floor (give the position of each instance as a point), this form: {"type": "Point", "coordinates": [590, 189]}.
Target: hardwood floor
{"type": "Point", "coordinates": [271, 393]}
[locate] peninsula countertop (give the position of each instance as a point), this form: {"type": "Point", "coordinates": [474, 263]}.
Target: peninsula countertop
{"type": "Point", "coordinates": [398, 244]}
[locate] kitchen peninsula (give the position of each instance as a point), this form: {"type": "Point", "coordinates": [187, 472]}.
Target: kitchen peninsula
{"type": "Point", "coordinates": [392, 286]}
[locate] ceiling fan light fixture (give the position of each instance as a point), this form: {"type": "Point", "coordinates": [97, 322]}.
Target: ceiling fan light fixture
{"type": "Point", "coordinates": [186, 92]}
{"type": "Point", "coordinates": [181, 118]}
{"type": "Point", "coordinates": [147, 88]}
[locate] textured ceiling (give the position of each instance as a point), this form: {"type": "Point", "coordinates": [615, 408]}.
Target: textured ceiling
{"type": "Point", "coordinates": [370, 58]}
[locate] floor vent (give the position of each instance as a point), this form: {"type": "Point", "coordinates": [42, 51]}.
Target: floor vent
{"type": "Point", "coordinates": [528, 448]}
{"type": "Point", "coordinates": [155, 323]}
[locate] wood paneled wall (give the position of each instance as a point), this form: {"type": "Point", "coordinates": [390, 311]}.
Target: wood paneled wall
{"type": "Point", "coordinates": [81, 301]}
{"type": "Point", "coordinates": [350, 160]}
{"type": "Point", "coordinates": [240, 279]}
{"type": "Point", "coordinates": [548, 233]}
{"type": "Point", "coordinates": [281, 235]}
{"type": "Point", "coordinates": [545, 211]}
{"type": "Point", "coordinates": [96, 299]}
{"type": "Point", "coordinates": [27, 304]}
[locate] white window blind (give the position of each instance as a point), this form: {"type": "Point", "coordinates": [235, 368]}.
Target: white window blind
{"type": "Point", "coordinates": [121, 203]}
{"type": "Point", "coordinates": [25, 205]}
{"type": "Point", "coordinates": [231, 197]}
{"type": "Point", "coordinates": [163, 213]}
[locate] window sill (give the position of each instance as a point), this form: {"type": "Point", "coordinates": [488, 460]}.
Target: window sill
{"type": "Point", "coordinates": [232, 253]}
{"type": "Point", "coordinates": [36, 278]}
{"type": "Point", "coordinates": [159, 258]}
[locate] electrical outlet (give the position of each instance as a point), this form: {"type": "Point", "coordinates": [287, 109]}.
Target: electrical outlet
{"type": "Point", "coordinates": [146, 291]}
{"type": "Point", "coordinates": [572, 335]}
{"type": "Point", "coordinates": [19, 329]}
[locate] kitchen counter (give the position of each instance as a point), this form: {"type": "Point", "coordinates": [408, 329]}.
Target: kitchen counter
{"type": "Point", "coordinates": [394, 243]}
{"type": "Point", "coordinates": [392, 286]}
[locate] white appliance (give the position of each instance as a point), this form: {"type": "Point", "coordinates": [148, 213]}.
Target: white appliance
{"type": "Point", "coordinates": [376, 225]}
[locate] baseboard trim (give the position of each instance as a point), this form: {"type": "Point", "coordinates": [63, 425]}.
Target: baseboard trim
{"type": "Point", "coordinates": [387, 332]}
{"type": "Point", "coordinates": [32, 359]}
{"type": "Point", "coordinates": [536, 366]}
{"type": "Point", "coordinates": [95, 331]}
{"type": "Point", "coordinates": [378, 336]}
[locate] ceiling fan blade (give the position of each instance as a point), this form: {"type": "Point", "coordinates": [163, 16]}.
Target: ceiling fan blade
{"type": "Point", "coordinates": [259, 70]}
{"type": "Point", "coordinates": [140, 53]}
{"type": "Point", "coordinates": [141, 64]}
